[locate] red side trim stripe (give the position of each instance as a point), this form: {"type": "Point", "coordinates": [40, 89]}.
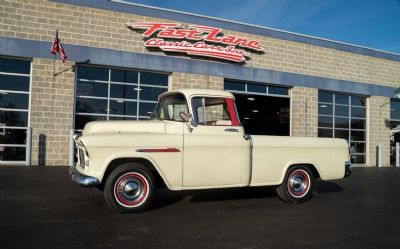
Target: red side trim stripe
{"type": "Point", "coordinates": [159, 150]}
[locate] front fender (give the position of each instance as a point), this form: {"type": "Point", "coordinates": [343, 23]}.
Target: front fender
{"type": "Point", "coordinates": [133, 157]}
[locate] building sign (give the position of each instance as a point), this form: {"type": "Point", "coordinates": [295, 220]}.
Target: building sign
{"type": "Point", "coordinates": [196, 40]}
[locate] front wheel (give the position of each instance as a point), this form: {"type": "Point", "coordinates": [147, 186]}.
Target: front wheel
{"type": "Point", "coordinates": [129, 188]}
{"type": "Point", "coordinates": [297, 186]}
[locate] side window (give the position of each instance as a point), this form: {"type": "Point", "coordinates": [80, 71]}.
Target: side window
{"type": "Point", "coordinates": [211, 111]}
{"type": "Point", "coordinates": [169, 107]}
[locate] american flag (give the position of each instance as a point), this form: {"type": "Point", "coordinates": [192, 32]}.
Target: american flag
{"type": "Point", "coordinates": [56, 47]}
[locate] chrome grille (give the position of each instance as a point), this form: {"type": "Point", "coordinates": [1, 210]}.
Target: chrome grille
{"type": "Point", "coordinates": [82, 158]}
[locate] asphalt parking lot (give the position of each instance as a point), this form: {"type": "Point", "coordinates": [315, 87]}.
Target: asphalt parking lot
{"type": "Point", "coordinates": [41, 208]}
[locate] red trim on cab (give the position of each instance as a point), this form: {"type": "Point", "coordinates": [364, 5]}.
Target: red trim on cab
{"type": "Point", "coordinates": [232, 111]}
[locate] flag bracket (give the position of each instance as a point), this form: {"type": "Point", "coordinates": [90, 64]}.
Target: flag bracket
{"type": "Point", "coordinates": [63, 71]}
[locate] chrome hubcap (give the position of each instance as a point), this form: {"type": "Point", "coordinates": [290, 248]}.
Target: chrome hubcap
{"type": "Point", "coordinates": [298, 183]}
{"type": "Point", "coordinates": [131, 189]}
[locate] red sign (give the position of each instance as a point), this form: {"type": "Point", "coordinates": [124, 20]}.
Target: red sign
{"type": "Point", "coordinates": [196, 40]}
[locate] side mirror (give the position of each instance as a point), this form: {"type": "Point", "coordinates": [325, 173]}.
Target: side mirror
{"type": "Point", "coordinates": [188, 118]}
{"type": "Point", "coordinates": [185, 116]}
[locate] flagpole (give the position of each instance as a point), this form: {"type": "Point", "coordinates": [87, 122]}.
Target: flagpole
{"type": "Point", "coordinates": [55, 55]}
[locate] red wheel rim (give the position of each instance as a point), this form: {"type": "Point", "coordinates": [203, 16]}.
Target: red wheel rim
{"type": "Point", "coordinates": [131, 189]}
{"type": "Point", "coordinates": [298, 183]}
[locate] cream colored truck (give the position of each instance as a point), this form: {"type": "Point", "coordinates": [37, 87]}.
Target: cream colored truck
{"type": "Point", "coordinates": [195, 141]}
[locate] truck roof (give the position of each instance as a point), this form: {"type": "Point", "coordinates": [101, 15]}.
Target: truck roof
{"type": "Point", "coordinates": [203, 92]}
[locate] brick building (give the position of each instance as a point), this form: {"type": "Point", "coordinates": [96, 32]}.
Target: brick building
{"type": "Point", "coordinates": [295, 85]}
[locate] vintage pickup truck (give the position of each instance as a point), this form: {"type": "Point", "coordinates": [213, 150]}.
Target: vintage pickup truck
{"type": "Point", "coordinates": [195, 141]}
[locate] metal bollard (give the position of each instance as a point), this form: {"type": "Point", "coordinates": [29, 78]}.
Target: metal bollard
{"type": "Point", "coordinates": [28, 150]}
{"type": "Point", "coordinates": [379, 155]}
{"type": "Point", "coordinates": [397, 154]}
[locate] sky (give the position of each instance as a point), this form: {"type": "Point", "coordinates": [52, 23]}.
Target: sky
{"type": "Point", "coordinates": [369, 23]}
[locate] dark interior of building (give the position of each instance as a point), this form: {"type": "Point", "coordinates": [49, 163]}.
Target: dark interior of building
{"type": "Point", "coordinates": [264, 115]}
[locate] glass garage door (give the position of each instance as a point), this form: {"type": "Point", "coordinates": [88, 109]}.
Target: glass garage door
{"type": "Point", "coordinates": [116, 94]}
{"type": "Point", "coordinates": [344, 116]}
{"type": "Point", "coordinates": [14, 110]}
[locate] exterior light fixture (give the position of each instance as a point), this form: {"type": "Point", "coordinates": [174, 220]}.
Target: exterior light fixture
{"type": "Point", "coordinates": [246, 118]}
{"type": "Point", "coordinates": [255, 111]}
{"type": "Point", "coordinates": [251, 99]}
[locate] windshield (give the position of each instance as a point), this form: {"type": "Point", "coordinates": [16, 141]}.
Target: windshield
{"type": "Point", "coordinates": [169, 107]}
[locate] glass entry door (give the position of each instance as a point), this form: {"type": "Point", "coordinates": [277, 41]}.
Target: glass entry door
{"type": "Point", "coordinates": [15, 75]}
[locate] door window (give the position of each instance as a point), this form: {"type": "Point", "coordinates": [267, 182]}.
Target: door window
{"type": "Point", "coordinates": [212, 111]}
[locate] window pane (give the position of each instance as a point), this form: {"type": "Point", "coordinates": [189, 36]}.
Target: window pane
{"type": "Point", "coordinates": [342, 123]}
{"type": "Point", "coordinates": [256, 88]}
{"type": "Point", "coordinates": [14, 100]}
{"type": "Point", "coordinates": [12, 153]}
{"type": "Point", "coordinates": [170, 106]}
{"type": "Point", "coordinates": [341, 110]}
{"type": "Point", "coordinates": [357, 135]}
{"type": "Point", "coordinates": [11, 118]}
{"type": "Point", "coordinates": [342, 134]}
{"type": "Point", "coordinates": [357, 101]}
{"type": "Point", "coordinates": [146, 109]}
{"type": "Point", "coordinates": [151, 93]}
{"type": "Point", "coordinates": [325, 133]}
{"type": "Point", "coordinates": [357, 159]}
{"type": "Point", "coordinates": [12, 136]}
{"type": "Point", "coordinates": [358, 112]}
{"type": "Point", "coordinates": [235, 86]}
{"type": "Point", "coordinates": [278, 90]}
{"type": "Point", "coordinates": [81, 120]}
{"type": "Point", "coordinates": [154, 79]}
{"type": "Point", "coordinates": [122, 107]}
{"type": "Point", "coordinates": [395, 109]}
{"type": "Point", "coordinates": [357, 147]}
{"type": "Point", "coordinates": [14, 83]}
{"type": "Point", "coordinates": [325, 97]}
{"type": "Point", "coordinates": [123, 91]}
{"type": "Point", "coordinates": [325, 121]}
{"type": "Point", "coordinates": [93, 73]}
{"type": "Point", "coordinates": [88, 88]}
{"type": "Point", "coordinates": [91, 105]}
{"type": "Point", "coordinates": [15, 66]}
{"type": "Point", "coordinates": [342, 99]}
{"type": "Point", "coordinates": [325, 109]}
{"type": "Point", "coordinates": [216, 112]}
{"type": "Point", "coordinates": [119, 75]}
{"type": "Point", "coordinates": [132, 76]}
{"type": "Point", "coordinates": [358, 123]}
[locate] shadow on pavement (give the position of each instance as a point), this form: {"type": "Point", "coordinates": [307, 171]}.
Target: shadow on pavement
{"type": "Point", "coordinates": [323, 187]}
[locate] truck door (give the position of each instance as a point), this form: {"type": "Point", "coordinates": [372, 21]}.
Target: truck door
{"type": "Point", "coordinates": [215, 151]}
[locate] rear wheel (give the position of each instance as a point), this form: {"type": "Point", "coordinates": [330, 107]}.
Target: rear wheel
{"type": "Point", "coordinates": [297, 186]}
{"type": "Point", "coordinates": [129, 188]}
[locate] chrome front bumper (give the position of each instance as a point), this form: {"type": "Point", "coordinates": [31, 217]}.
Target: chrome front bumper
{"type": "Point", "coordinates": [82, 179]}
{"type": "Point", "coordinates": [347, 169]}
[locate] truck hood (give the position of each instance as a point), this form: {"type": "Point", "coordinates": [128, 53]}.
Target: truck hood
{"type": "Point", "coordinates": [124, 126]}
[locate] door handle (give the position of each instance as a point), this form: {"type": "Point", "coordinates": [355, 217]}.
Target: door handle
{"type": "Point", "coordinates": [231, 130]}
